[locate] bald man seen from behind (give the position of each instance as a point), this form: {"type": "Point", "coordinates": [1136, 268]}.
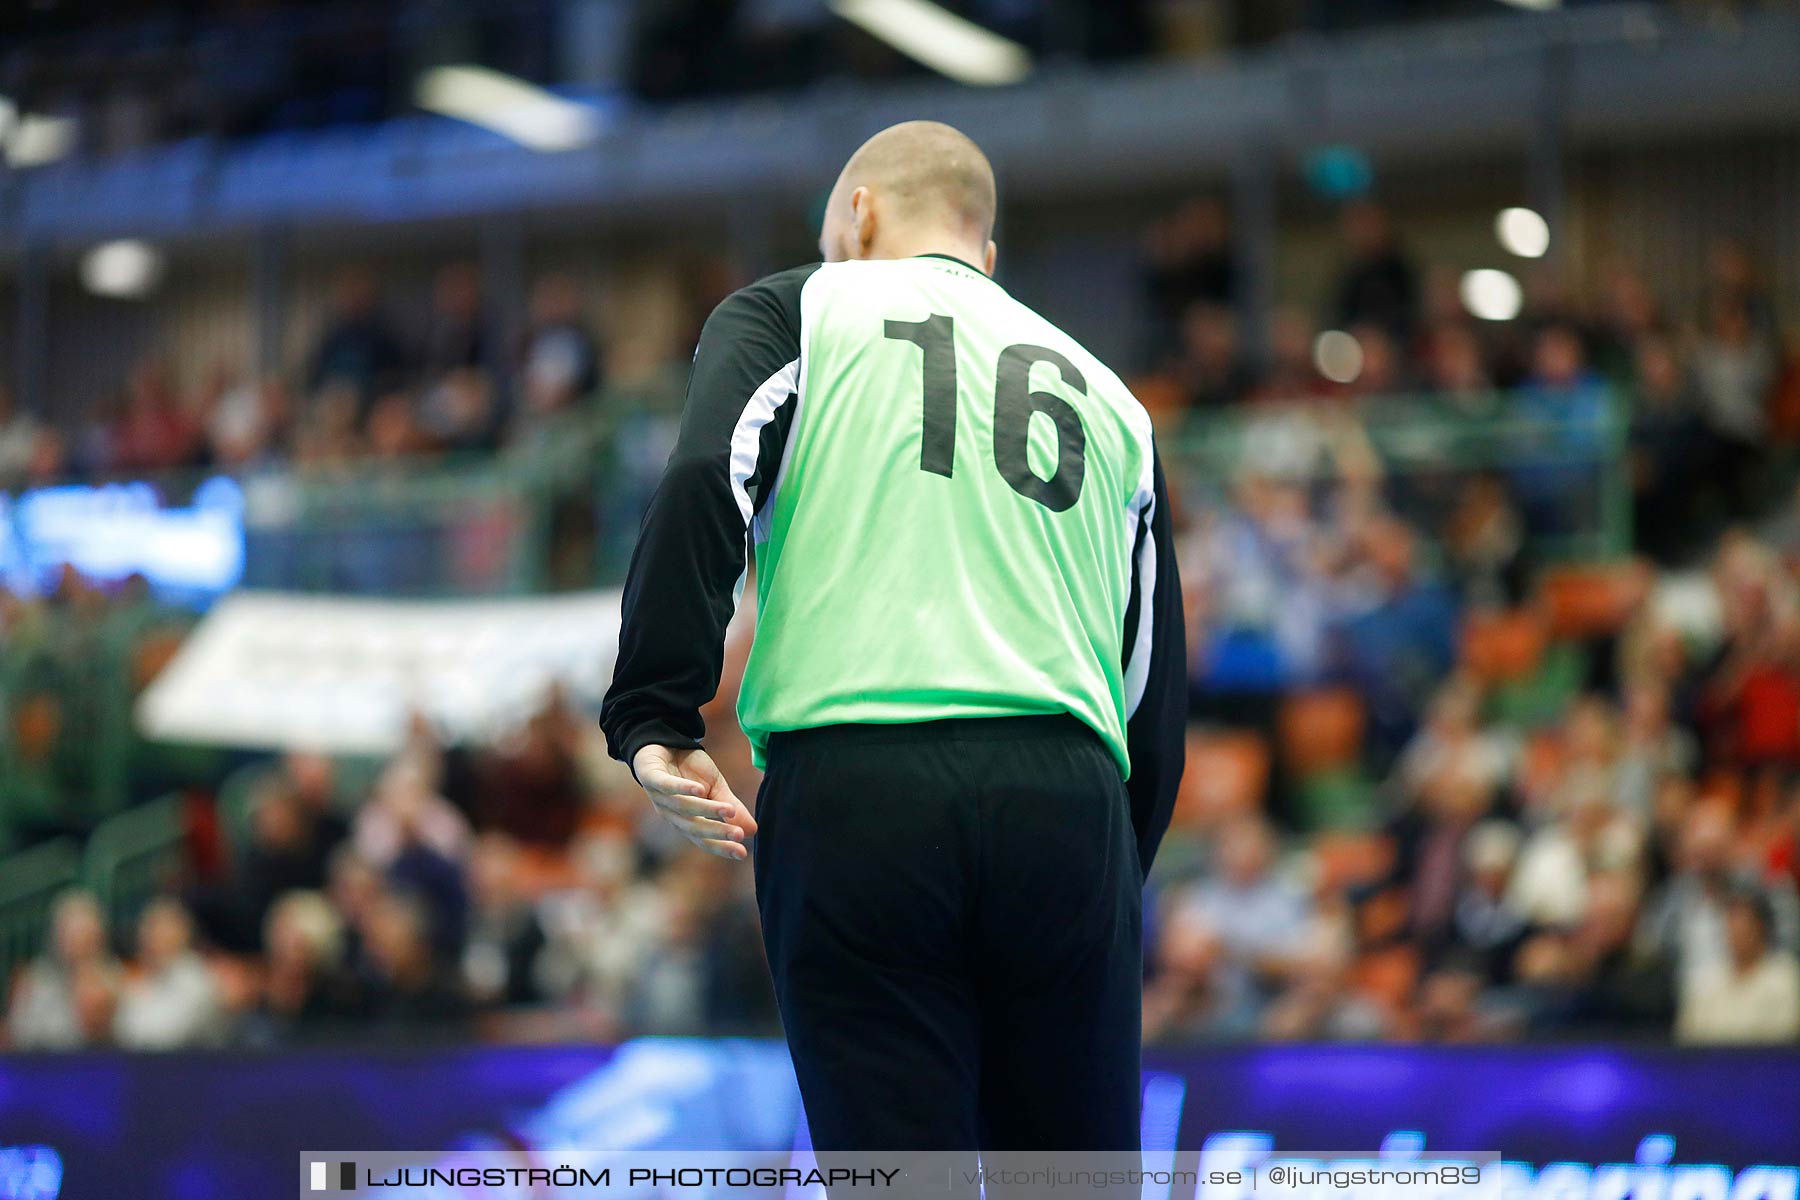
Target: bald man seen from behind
{"type": "Point", "coordinates": [967, 686]}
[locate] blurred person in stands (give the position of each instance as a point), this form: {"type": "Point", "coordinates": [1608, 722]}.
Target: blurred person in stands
{"type": "Point", "coordinates": [1322, 1003]}
{"type": "Point", "coordinates": [1210, 365]}
{"type": "Point", "coordinates": [328, 437]}
{"type": "Point", "coordinates": [1590, 754]}
{"type": "Point", "coordinates": [1259, 913]}
{"type": "Point", "coordinates": [457, 414]}
{"type": "Point", "coordinates": [559, 361]}
{"type": "Point", "coordinates": [1588, 836]}
{"type": "Point", "coordinates": [704, 972]}
{"type": "Point", "coordinates": [311, 777]}
{"type": "Point", "coordinates": [1733, 279]}
{"type": "Point", "coordinates": [1448, 1009]}
{"type": "Point", "coordinates": [1484, 540]}
{"type": "Point", "coordinates": [1456, 369]}
{"type": "Point", "coordinates": [418, 841]}
{"type": "Point", "coordinates": [458, 333]}
{"type": "Point", "coordinates": [354, 887]}
{"type": "Point", "coordinates": [246, 426]}
{"type": "Point", "coordinates": [1749, 708]}
{"type": "Point", "coordinates": [1394, 632]}
{"type": "Point", "coordinates": [1430, 841]}
{"type": "Point", "coordinates": [1735, 367]}
{"type": "Point", "coordinates": [1565, 400]}
{"type": "Point", "coordinates": [535, 791]}
{"type": "Point", "coordinates": [63, 1000]}
{"type": "Point", "coordinates": [171, 999]}
{"type": "Point", "coordinates": [1379, 283]}
{"type": "Point", "coordinates": [1451, 740]}
{"type": "Point", "coordinates": [409, 988]}
{"type": "Point", "coordinates": [1189, 261]}
{"type": "Point", "coordinates": [291, 841]}
{"type": "Point", "coordinates": [306, 987]}
{"type": "Point", "coordinates": [1652, 747]}
{"type": "Point", "coordinates": [506, 938]}
{"type": "Point", "coordinates": [1753, 994]}
{"type": "Point", "coordinates": [1593, 978]}
{"type": "Point", "coordinates": [1194, 992]}
{"type": "Point", "coordinates": [153, 432]}
{"type": "Point", "coordinates": [601, 934]}
{"type": "Point", "coordinates": [1685, 920]}
{"type": "Point", "coordinates": [1485, 929]}
{"type": "Point", "coordinates": [1629, 316]}
{"type": "Point", "coordinates": [1385, 371]}
{"type": "Point", "coordinates": [1668, 480]}
{"type": "Point", "coordinates": [391, 430]}
{"type": "Point", "coordinates": [357, 348]}
{"type": "Point", "coordinates": [1782, 854]}
{"type": "Point", "coordinates": [1255, 566]}
{"type": "Point", "coordinates": [19, 433]}
{"type": "Point", "coordinates": [405, 809]}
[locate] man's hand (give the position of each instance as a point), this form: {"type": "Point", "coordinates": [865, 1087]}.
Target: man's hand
{"type": "Point", "coordinates": [691, 794]}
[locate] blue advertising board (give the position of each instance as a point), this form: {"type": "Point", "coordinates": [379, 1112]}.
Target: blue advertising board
{"type": "Point", "coordinates": [1573, 1123]}
{"type": "Point", "coordinates": [189, 549]}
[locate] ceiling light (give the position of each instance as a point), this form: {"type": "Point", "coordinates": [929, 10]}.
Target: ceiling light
{"type": "Point", "coordinates": [941, 40]}
{"type": "Point", "coordinates": [1338, 356]}
{"type": "Point", "coordinates": [1492, 295]}
{"type": "Point", "coordinates": [513, 108]}
{"type": "Point", "coordinates": [1522, 232]}
{"type": "Point", "coordinates": [125, 270]}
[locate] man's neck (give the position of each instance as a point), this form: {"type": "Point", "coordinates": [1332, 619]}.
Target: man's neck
{"type": "Point", "coordinates": [920, 245]}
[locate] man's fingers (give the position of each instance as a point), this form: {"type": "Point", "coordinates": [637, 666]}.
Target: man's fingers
{"type": "Point", "coordinates": [722, 841]}
{"type": "Point", "coordinates": [694, 827]}
{"type": "Point", "coordinates": [691, 806]}
{"type": "Point", "coordinates": [730, 851]}
{"type": "Point", "coordinates": [666, 782]}
{"type": "Point", "coordinates": [742, 818]}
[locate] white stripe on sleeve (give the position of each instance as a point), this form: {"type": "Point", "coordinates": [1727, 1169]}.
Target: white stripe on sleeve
{"type": "Point", "coordinates": [746, 436]}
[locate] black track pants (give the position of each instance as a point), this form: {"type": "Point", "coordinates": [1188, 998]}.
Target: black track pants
{"type": "Point", "coordinates": [952, 915]}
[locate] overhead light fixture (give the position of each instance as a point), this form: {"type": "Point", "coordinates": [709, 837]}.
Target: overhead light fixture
{"type": "Point", "coordinates": [33, 139]}
{"type": "Point", "coordinates": [1338, 356]}
{"type": "Point", "coordinates": [948, 44]}
{"type": "Point", "coordinates": [1492, 295]}
{"type": "Point", "coordinates": [1523, 232]}
{"type": "Point", "coordinates": [1533, 5]}
{"type": "Point", "coordinates": [124, 270]}
{"type": "Point", "coordinates": [510, 107]}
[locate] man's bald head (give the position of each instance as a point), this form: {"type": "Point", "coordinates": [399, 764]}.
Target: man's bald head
{"type": "Point", "coordinates": [913, 188]}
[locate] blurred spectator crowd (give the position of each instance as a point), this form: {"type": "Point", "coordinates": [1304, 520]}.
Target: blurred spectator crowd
{"type": "Point", "coordinates": [1443, 784]}
{"type": "Point", "coordinates": [369, 390]}
{"type": "Point", "coordinates": [515, 889]}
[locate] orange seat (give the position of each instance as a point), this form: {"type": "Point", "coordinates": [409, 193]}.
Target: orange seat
{"type": "Point", "coordinates": [543, 869]}
{"type": "Point", "coordinates": [1388, 975]}
{"type": "Point", "coordinates": [1588, 601]}
{"type": "Point", "coordinates": [1322, 730]}
{"type": "Point", "coordinates": [37, 726]}
{"type": "Point", "coordinates": [1503, 647]}
{"type": "Point", "coordinates": [1349, 858]}
{"type": "Point", "coordinates": [1227, 774]}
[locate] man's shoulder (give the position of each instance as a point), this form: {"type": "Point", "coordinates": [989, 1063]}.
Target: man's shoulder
{"type": "Point", "coordinates": [770, 306]}
{"type": "Point", "coordinates": [783, 287]}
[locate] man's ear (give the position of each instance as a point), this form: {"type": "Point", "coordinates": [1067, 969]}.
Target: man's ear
{"type": "Point", "coordinates": [988, 260]}
{"type": "Point", "coordinates": [862, 222]}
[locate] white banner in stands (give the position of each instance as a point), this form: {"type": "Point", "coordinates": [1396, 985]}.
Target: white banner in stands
{"type": "Point", "coordinates": [342, 675]}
